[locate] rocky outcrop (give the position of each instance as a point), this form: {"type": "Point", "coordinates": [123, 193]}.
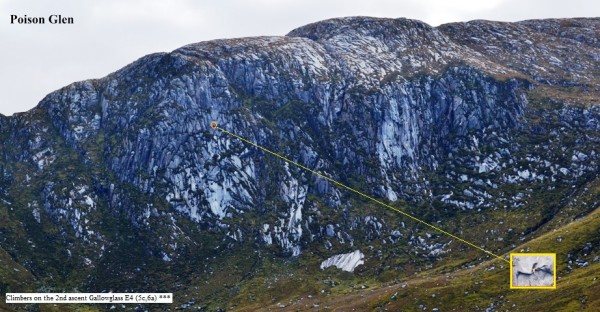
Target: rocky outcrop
{"type": "Point", "coordinates": [466, 116]}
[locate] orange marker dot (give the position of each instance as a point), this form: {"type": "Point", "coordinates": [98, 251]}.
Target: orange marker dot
{"type": "Point", "coordinates": [213, 125]}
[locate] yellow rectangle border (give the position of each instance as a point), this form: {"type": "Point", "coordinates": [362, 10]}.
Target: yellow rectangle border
{"type": "Point", "coordinates": [553, 255]}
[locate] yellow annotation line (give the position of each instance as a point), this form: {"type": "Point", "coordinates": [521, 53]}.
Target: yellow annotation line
{"type": "Point", "coordinates": [215, 126]}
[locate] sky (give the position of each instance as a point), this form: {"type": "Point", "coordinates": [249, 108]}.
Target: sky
{"type": "Point", "coordinates": [109, 34]}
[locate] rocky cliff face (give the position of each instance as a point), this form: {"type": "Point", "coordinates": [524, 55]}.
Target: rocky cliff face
{"type": "Point", "coordinates": [466, 122]}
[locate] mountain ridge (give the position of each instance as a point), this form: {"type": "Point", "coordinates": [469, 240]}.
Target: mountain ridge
{"type": "Point", "coordinates": [120, 184]}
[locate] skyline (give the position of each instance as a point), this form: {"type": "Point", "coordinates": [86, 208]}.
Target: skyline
{"type": "Point", "coordinates": [38, 59]}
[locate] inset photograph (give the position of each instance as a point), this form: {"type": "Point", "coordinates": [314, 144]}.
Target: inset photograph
{"type": "Point", "coordinates": [533, 270]}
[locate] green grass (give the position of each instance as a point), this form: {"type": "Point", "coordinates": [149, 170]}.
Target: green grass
{"type": "Point", "coordinates": [13, 278]}
{"type": "Point", "coordinates": [577, 290]}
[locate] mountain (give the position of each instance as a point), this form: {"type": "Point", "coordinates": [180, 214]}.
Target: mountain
{"type": "Point", "coordinates": [487, 130]}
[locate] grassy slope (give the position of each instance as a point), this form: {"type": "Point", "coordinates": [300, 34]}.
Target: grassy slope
{"type": "Point", "coordinates": [488, 283]}
{"type": "Point", "coordinates": [453, 285]}
{"type": "Point", "coordinates": [13, 277]}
